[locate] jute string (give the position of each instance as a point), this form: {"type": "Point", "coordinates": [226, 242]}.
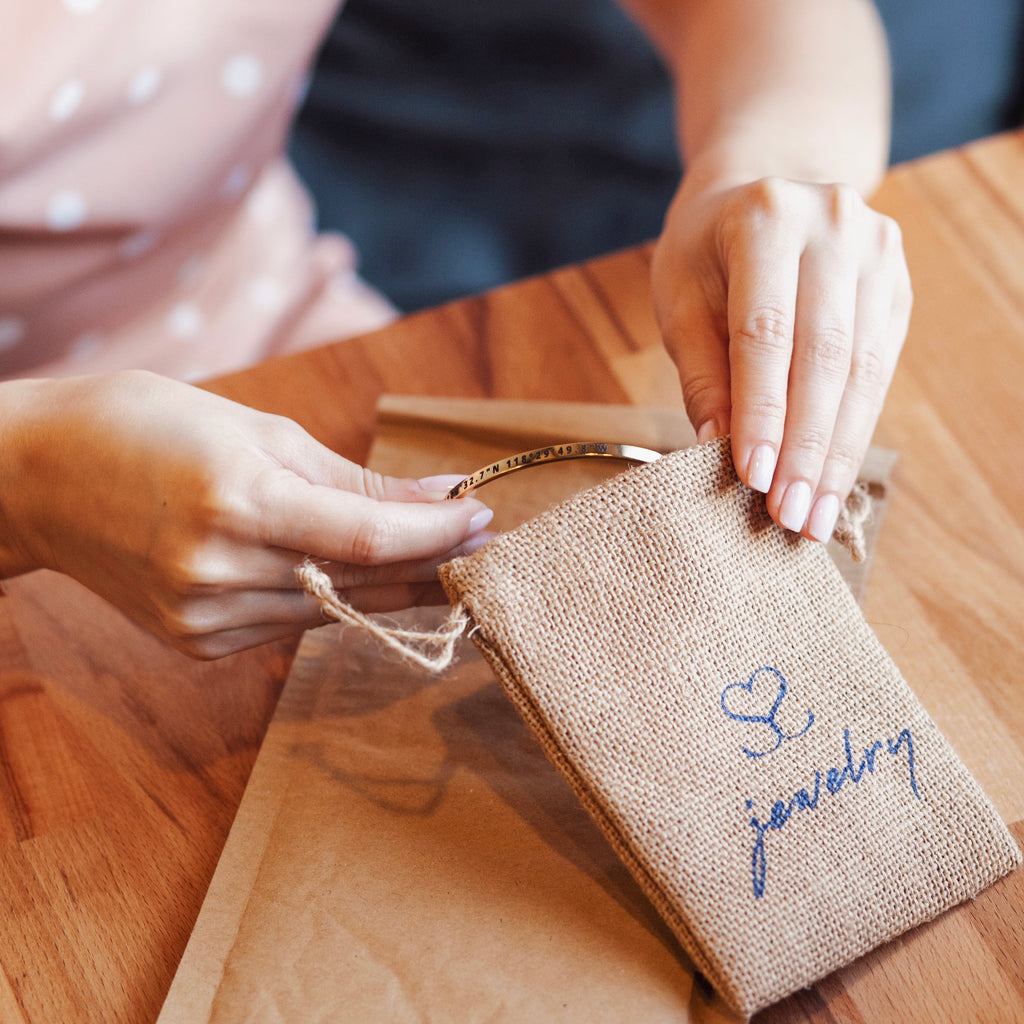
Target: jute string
{"type": "Point", "coordinates": [853, 518]}
{"type": "Point", "coordinates": [434, 650]}
{"type": "Point", "coordinates": [430, 649]}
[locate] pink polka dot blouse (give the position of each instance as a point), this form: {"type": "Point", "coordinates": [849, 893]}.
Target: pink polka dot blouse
{"type": "Point", "coordinates": [148, 216]}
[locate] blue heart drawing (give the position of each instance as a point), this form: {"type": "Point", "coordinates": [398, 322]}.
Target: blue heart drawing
{"type": "Point", "coordinates": [778, 694]}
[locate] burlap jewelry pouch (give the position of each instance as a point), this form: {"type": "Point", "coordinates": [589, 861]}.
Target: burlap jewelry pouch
{"type": "Point", "coordinates": [714, 696]}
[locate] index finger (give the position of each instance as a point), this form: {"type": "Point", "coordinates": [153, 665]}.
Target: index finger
{"type": "Point", "coordinates": [341, 526]}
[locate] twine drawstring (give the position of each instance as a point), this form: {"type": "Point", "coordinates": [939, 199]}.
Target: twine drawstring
{"type": "Point", "coordinates": [853, 518]}
{"type": "Point", "coordinates": [431, 649]}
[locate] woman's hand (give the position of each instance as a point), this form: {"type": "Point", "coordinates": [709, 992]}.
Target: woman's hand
{"type": "Point", "coordinates": [190, 513]}
{"type": "Point", "coordinates": [785, 306]}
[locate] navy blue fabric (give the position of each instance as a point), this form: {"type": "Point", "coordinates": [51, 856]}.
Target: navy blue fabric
{"type": "Point", "coordinates": [958, 71]}
{"type": "Point", "coordinates": [464, 143]}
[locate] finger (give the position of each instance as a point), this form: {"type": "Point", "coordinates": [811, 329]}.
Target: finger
{"type": "Point", "coordinates": [274, 568]}
{"type": "Point", "coordinates": [822, 350]}
{"type": "Point", "coordinates": [883, 312]}
{"type": "Point", "coordinates": [261, 617]}
{"type": "Point", "coordinates": [190, 621]}
{"type": "Point", "coordinates": [437, 488]}
{"type": "Point", "coordinates": [345, 577]}
{"type": "Point", "coordinates": [231, 641]}
{"type": "Point", "coordinates": [762, 314]}
{"type": "Point", "coordinates": [193, 624]}
{"type": "Point", "coordinates": [316, 463]}
{"type": "Point", "coordinates": [343, 526]}
{"type": "Point", "coordinates": [367, 588]}
{"type": "Point", "coordinates": [389, 488]}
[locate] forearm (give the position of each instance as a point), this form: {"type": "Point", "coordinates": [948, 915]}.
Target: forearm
{"type": "Point", "coordinates": [790, 88]}
{"type": "Point", "coordinates": [782, 296]}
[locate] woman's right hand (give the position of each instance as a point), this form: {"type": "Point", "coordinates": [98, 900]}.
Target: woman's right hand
{"type": "Point", "coordinates": [785, 305]}
{"type": "Point", "coordinates": [190, 513]}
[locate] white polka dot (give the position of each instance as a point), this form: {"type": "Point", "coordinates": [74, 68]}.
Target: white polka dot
{"type": "Point", "coordinates": [267, 293]}
{"type": "Point", "coordinates": [66, 210]}
{"type": "Point", "coordinates": [67, 99]}
{"type": "Point", "coordinates": [85, 346]}
{"type": "Point", "coordinates": [144, 84]}
{"type": "Point", "coordinates": [185, 320]}
{"type": "Point", "coordinates": [80, 6]}
{"type": "Point", "coordinates": [12, 330]}
{"type": "Point", "coordinates": [236, 182]}
{"type": "Point", "coordinates": [139, 244]}
{"type": "Point", "coordinates": [242, 75]}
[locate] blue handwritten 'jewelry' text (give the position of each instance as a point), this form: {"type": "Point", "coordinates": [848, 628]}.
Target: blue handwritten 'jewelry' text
{"type": "Point", "coordinates": [834, 779]}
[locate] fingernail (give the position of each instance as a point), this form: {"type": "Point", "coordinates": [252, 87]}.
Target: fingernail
{"type": "Point", "coordinates": [761, 468]}
{"type": "Point", "coordinates": [437, 487]}
{"type": "Point", "coordinates": [707, 431]}
{"type": "Point", "coordinates": [823, 518]}
{"type": "Point", "coordinates": [796, 503]}
{"type": "Point", "coordinates": [476, 542]}
{"type": "Point", "coordinates": [480, 520]}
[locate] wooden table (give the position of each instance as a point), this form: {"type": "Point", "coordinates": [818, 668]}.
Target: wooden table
{"type": "Point", "coordinates": [122, 763]}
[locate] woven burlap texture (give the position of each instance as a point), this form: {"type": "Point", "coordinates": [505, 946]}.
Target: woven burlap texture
{"type": "Point", "coordinates": [695, 672]}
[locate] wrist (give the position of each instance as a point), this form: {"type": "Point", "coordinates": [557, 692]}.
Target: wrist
{"type": "Point", "coordinates": [744, 156]}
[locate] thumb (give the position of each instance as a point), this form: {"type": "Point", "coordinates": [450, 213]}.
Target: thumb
{"type": "Point", "coordinates": [332, 507]}
{"type": "Point", "coordinates": [346, 526]}
{"type": "Point", "coordinates": [318, 464]}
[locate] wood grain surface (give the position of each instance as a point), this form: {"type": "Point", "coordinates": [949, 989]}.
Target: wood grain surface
{"type": "Point", "coordinates": [122, 763]}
